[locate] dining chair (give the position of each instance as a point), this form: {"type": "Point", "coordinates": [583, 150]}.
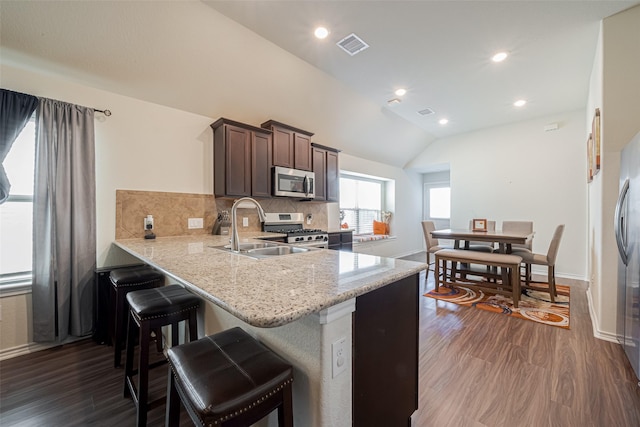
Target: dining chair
{"type": "Point", "coordinates": [482, 246]}
{"type": "Point", "coordinates": [519, 226]}
{"type": "Point", "coordinates": [549, 260]}
{"type": "Point", "coordinates": [433, 244]}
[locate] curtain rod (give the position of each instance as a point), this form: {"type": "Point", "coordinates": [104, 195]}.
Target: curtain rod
{"type": "Point", "coordinates": [105, 112]}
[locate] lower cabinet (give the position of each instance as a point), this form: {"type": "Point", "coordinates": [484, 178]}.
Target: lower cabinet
{"type": "Point", "coordinates": [385, 355]}
{"type": "Point", "coordinates": [341, 241]}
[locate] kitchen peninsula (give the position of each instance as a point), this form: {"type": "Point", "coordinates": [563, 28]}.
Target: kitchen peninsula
{"type": "Point", "coordinates": [311, 308]}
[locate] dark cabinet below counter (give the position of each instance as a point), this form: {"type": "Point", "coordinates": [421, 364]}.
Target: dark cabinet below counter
{"type": "Point", "coordinates": [341, 241]}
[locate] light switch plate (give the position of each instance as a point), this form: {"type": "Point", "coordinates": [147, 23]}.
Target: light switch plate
{"type": "Point", "coordinates": [195, 223]}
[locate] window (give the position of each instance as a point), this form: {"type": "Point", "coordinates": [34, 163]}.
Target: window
{"type": "Point", "coordinates": [440, 202]}
{"type": "Point", "coordinates": [361, 201]}
{"type": "Point", "coordinates": [16, 214]}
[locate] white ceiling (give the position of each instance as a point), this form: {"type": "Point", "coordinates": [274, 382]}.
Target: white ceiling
{"type": "Point", "coordinates": [440, 52]}
{"type": "Point", "coordinates": [165, 52]}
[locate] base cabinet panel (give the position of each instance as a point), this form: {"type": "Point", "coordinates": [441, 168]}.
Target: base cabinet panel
{"type": "Point", "coordinates": [385, 355]}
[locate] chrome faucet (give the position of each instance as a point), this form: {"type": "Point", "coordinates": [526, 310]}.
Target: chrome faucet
{"type": "Point", "coordinates": [235, 240]}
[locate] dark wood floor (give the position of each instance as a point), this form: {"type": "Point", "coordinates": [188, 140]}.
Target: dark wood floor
{"type": "Point", "coordinates": [476, 369]}
{"type": "Point", "coordinates": [479, 368]}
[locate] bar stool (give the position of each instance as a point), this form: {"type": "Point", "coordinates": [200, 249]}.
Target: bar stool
{"type": "Point", "coordinates": [154, 308]}
{"type": "Point", "coordinates": [228, 379]}
{"type": "Point", "coordinates": [123, 281]}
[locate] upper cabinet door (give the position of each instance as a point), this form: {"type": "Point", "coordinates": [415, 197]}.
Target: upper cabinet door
{"type": "Point", "coordinates": [238, 162]}
{"type": "Point", "coordinates": [242, 159]}
{"type": "Point", "coordinates": [282, 147]}
{"type": "Point", "coordinates": [333, 176]}
{"type": "Point", "coordinates": [291, 146]}
{"type": "Point", "coordinates": [302, 151]}
{"type": "Point", "coordinates": [319, 169]}
{"type": "Point", "coordinates": [261, 164]}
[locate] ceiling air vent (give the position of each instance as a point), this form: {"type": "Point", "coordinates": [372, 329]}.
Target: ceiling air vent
{"type": "Point", "coordinates": [352, 44]}
{"type": "Point", "coordinates": [426, 112]}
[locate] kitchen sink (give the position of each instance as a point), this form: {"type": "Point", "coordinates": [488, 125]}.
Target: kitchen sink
{"type": "Point", "coordinates": [265, 249]}
{"type": "Point", "coordinates": [277, 250]}
{"type": "Point", "coordinates": [250, 246]}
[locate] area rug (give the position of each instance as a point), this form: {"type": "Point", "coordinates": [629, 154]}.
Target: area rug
{"type": "Point", "coordinates": [534, 304]}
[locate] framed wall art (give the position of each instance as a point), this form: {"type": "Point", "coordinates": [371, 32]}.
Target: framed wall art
{"type": "Point", "coordinates": [590, 158]}
{"type": "Point", "coordinates": [595, 132]}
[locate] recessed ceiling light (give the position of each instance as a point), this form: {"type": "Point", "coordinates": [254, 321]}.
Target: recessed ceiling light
{"type": "Point", "coordinates": [321, 32]}
{"type": "Point", "coordinates": [499, 57]}
{"type": "Point", "coordinates": [393, 101]}
{"type": "Point", "coordinates": [400, 92]}
{"type": "Point", "coordinates": [443, 121]}
{"type": "Point", "coordinates": [519, 102]}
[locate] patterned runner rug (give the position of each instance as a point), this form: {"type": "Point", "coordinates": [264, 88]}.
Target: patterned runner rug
{"type": "Point", "coordinates": [534, 304]}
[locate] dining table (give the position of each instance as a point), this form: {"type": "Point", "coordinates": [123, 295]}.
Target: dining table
{"type": "Point", "coordinates": [505, 239]}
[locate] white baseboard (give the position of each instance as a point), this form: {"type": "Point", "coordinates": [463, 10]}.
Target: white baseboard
{"type": "Point", "coordinates": [603, 335]}
{"type": "Point", "coordinates": [21, 350]}
{"type": "Point", "coordinates": [32, 347]}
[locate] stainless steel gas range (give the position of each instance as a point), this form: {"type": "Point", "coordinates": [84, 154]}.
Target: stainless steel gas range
{"type": "Point", "coordinates": [292, 224]}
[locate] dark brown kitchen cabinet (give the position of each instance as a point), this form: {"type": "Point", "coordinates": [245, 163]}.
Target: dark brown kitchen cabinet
{"type": "Point", "coordinates": [341, 241]}
{"type": "Point", "coordinates": [242, 165]}
{"type": "Point", "coordinates": [333, 177]}
{"type": "Point", "coordinates": [291, 146]}
{"type": "Point", "coordinates": [327, 172]}
{"type": "Point", "coordinates": [386, 334]}
{"type": "Point", "coordinates": [319, 157]}
{"type": "Point", "coordinates": [261, 147]}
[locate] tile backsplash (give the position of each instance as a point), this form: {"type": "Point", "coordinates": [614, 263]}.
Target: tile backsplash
{"type": "Point", "coordinates": [171, 212]}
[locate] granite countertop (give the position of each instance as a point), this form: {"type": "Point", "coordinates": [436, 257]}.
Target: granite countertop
{"type": "Point", "coordinates": [272, 291]}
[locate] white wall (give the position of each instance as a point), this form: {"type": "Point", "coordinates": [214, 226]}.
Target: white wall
{"type": "Point", "coordinates": [142, 146]}
{"type": "Point", "coordinates": [407, 209]}
{"type": "Point", "coordinates": [615, 88]}
{"type": "Point", "coordinates": [521, 172]}
{"type": "Point", "coordinates": [145, 146]}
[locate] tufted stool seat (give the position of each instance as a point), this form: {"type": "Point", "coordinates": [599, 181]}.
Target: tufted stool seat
{"type": "Point", "coordinates": [152, 309]}
{"type": "Point", "coordinates": [123, 281]}
{"type": "Point", "coordinates": [228, 379]}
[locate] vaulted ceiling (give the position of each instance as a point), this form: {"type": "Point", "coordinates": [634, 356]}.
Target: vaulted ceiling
{"type": "Point", "coordinates": [439, 51]}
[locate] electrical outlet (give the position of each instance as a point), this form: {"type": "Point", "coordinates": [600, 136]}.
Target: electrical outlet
{"type": "Point", "coordinates": [148, 222]}
{"type": "Point", "coordinates": [339, 357]}
{"type": "Point", "coordinates": [195, 223]}
{"type": "Point", "coordinates": [245, 221]}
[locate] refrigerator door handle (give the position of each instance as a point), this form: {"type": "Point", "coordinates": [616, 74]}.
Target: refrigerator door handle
{"type": "Point", "coordinates": [619, 225]}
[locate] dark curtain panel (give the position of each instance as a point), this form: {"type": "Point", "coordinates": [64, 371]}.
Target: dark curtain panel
{"type": "Point", "coordinates": [64, 221]}
{"type": "Point", "coordinates": [15, 111]}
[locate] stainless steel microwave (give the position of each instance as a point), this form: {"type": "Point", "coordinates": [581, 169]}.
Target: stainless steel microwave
{"type": "Point", "coordinates": [293, 183]}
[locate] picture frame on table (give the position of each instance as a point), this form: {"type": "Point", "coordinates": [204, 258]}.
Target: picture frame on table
{"type": "Point", "coordinates": [595, 132]}
{"type": "Point", "coordinates": [479, 224]}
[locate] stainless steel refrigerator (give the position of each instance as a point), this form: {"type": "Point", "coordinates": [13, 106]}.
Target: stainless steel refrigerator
{"type": "Point", "coordinates": [627, 230]}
